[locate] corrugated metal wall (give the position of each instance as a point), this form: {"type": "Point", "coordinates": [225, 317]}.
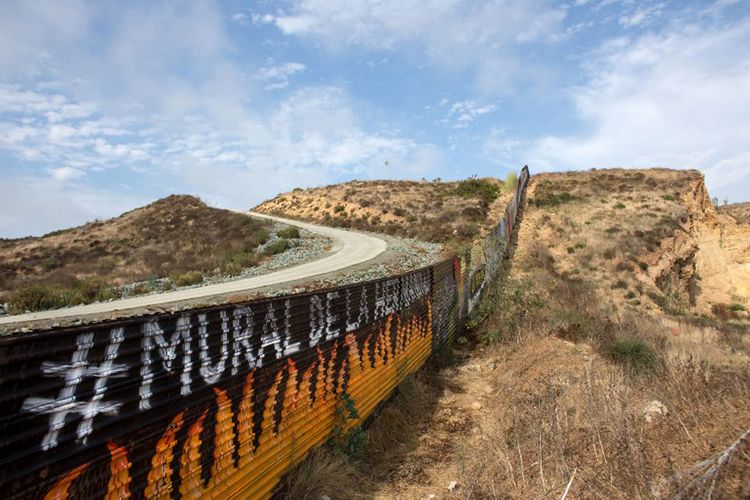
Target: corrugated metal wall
{"type": "Point", "coordinates": [220, 401]}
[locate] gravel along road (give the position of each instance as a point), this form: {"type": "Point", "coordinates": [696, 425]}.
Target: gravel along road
{"type": "Point", "coordinates": [350, 248]}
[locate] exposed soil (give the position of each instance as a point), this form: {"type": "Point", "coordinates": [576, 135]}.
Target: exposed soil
{"type": "Point", "coordinates": [604, 367]}
{"type": "Point", "coordinates": [647, 239]}
{"type": "Point", "coordinates": [739, 211]}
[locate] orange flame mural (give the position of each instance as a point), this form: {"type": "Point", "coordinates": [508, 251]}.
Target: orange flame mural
{"type": "Point", "coordinates": [246, 467]}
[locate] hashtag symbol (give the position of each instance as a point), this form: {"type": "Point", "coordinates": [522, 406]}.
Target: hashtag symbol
{"type": "Point", "coordinates": [73, 373]}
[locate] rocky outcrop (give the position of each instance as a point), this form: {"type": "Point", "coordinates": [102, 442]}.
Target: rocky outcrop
{"type": "Point", "coordinates": [722, 257]}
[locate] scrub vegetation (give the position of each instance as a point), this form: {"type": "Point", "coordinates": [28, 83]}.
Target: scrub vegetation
{"type": "Point", "coordinates": [584, 371]}
{"type": "Point", "coordinates": [435, 211]}
{"type": "Point", "coordinates": [176, 241]}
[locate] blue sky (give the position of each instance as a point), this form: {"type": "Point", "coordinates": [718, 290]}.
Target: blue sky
{"type": "Point", "coordinates": [108, 106]}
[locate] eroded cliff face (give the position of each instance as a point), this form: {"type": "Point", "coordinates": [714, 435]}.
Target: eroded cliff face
{"type": "Point", "coordinates": [721, 257]}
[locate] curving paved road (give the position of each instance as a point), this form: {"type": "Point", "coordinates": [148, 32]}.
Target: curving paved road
{"type": "Point", "coordinates": [350, 248]}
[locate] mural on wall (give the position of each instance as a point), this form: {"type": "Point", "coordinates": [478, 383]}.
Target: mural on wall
{"type": "Point", "coordinates": [215, 401]}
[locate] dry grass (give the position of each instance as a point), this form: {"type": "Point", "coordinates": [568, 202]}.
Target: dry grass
{"type": "Point", "coordinates": [390, 437]}
{"type": "Point", "coordinates": [565, 400]}
{"type": "Point", "coordinates": [590, 419]}
{"type": "Point", "coordinates": [740, 211]}
{"type": "Point", "coordinates": [431, 211]}
{"type": "Point", "coordinates": [171, 237]}
{"type": "Point", "coordinates": [650, 240]}
{"type": "Point", "coordinates": [323, 472]}
{"type": "Point", "coordinates": [564, 405]}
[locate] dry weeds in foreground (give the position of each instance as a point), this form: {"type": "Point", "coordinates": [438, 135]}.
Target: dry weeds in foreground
{"type": "Point", "coordinates": [570, 391]}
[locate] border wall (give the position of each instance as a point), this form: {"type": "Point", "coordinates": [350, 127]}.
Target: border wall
{"type": "Point", "coordinates": [221, 401]}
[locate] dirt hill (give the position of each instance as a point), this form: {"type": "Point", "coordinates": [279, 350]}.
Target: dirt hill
{"type": "Point", "coordinates": [739, 211]}
{"type": "Point", "coordinates": [648, 239]}
{"type": "Point", "coordinates": [178, 236]}
{"type": "Point", "coordinates": [611, 360]}
{"type": "Point", "coordinates": [431, 211]}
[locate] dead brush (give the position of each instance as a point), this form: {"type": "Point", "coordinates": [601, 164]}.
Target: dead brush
{"type": "Point", "coordinates": [588, 426]}
{"type": "Point", "coordinates": [323, 472]}
{"type": "Point", "coordinates": [705, 479]}
{"type": "Point", "coordinates": [327, 471]}
{"type": "Point", "coordinates": [394, 424]}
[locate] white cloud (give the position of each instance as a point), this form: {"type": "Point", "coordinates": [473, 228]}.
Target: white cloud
{"type": "Point", "coordinates": [484, 36]}
{"type": "Point", "coordinates": [40, 205]}
{"type": "Point", "coordinates": [462, 113]}
{"type": "Point", "coordinates": [66, 173]}
{"type": "Point", "coordinates": [240, 18]}
{"type": "Point", "coordinates": [678, 100]}
{"type": "Point", "coordinates": [641, 15]}
{"type": "Point", "coordinates": [315, 135]}
{"type": "Point", "coordinates": [278, 75]}
{"type": "Point", "coordinates": [29, 29]}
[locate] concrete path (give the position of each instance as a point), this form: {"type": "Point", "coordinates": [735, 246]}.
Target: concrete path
{"type": "Point", "coordinates": [350, 248]}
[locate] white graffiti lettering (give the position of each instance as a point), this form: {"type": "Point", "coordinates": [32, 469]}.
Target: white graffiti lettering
{"type": "Point", "coordinates": [270, 335]}
{"type": "Point", "coordinates": [331, 318]}
{"type": "Point", "coordinates": [317, 327]}
{"type": "Point", "coordinates": [241, 338]}
{"type": "Point", "coordinates": [289, 347]}
{"type": "Point", "coordinates": [73, 373]}
{"type": "Point", "coordinates": [153, 334]}
{"type": "Point", "coordinates": [212, 373]}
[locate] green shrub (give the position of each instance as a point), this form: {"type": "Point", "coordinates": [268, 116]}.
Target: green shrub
{"type": "Point", "coordinates": [140, 289]}
{"type": "Point", "coordinates": [668, 197]}
{"type": "Point", "coordinates": [468, 230]}
{"type": "Point", "coordinates": [235, 262]}
{"type": "Point", "coordinates": [552, 199]}
{"type": "Point", "coordinates": [350, 442]}
{"type": "Point", "coordinates": [624, 266]}
{"type": "Point", "coordinates": [289, 233]}
{"type": "Point", "coordinates": [187, 279]}
{"type": "Point", "coordinates": [513, 305]}
{"type": "Point", "coordinates": [38, 298]}
{"type": "Point", "coordinates": [726, 312]}
{"type": "Point", "coordinates": [90, 290]}
{"type": "Point", "coordinates": [338, 208]}
{"type": "Point", "coordinates": [643, 265]}
{"type": "Point", "coordinates": [669, 301]}
{"type": "Point", "coordinates": [619, 205]}
{"type": "Point", "coordinates": [51, 263]}
{"type": "Point", "coordinates": [634, 353]}
{"type": "Point", "coordinates": [42, 297]}
{"type": "Point", "coordinates": [511, 181]}
{"type": "Point", "coordinates": [276, 247]}
{"type": "Point", "coordinates": [477, 188]}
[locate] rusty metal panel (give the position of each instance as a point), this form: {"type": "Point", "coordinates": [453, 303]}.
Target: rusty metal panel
{"type": "Point", "coordinates": [217, 401]}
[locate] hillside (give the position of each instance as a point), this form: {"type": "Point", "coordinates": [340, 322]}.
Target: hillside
{"type": "Point", "coordinates": [650, 239]}
{"type": "Point", "coordinates": [611, 360]}
{"type": "Point", "coordinates": [739, 211]}
{"type": "Point", "coordinates": [431, 211]}
{"type": "Point", "coordinates": [178, 237]}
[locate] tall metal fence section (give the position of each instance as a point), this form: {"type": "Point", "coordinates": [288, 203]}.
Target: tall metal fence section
{"type": "Point", "coordinates": [221, 401]}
